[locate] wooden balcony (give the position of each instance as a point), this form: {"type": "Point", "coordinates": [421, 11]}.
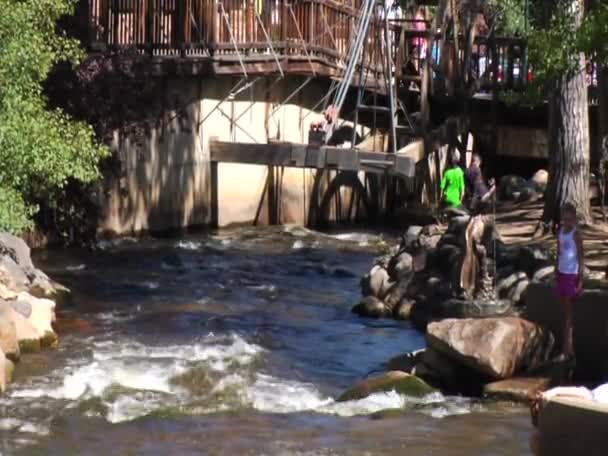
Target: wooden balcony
{"type": "Point", "coordinates": [307, 37]}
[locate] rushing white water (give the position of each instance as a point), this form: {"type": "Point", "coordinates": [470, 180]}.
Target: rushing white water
{"type": "Point", "coordinates": [132, 380]}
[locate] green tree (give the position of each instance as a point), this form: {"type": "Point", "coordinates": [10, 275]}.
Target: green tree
{"type": "Point", "coordinates": [559, 66]}
{"type": "Point", "coordinates": [41, 149]}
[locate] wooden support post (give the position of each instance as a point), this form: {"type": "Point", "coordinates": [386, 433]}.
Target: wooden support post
{"type": "Point", "coordinates": [214, 184]}
{"type": "Point", "coordinates": [272, 197]}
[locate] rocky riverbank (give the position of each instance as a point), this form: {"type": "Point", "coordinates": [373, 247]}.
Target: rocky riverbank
{"type": "Point", "coordinates": [466, 289]}
{"type": "Point", "coordinates": [461, 271]}
{"type": "Point", "coordinates": [27, 306]}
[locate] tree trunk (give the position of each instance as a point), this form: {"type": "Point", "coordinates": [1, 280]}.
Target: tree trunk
{"type": "Point", "coordinates": [569, 142]}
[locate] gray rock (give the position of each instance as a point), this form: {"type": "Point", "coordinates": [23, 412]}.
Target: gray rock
{"type": "Point", "coordinates": [517, 293]}
{"type": "Point", "coordinates": [17, 249]}
{"type": "Point", "coordinates": [429, 242]}
{"type": "Point", "coordinates": [379, 282]}
{"type": "Point", "coordinates": [503, 286]}
{"type": "Point", "coordinates": [12, 275]}
{"type": "Point", "coordinates": [397, 292]}
{"type": "Point", "coordinates": [544, 274]}
{"type": "Point", "coordinates": [412, 234]}
{"type": "Point", "coordinates": [400, 266]}
{"type": "Point", "coordinates": [371, 307]}
{"type": "Point", "coordinates": [497, 347]}
{"type": "Point", "coordinates": [540, 180]}
{"type": "Point", "coordinates": [403, 310]}
{"type": "Point", "coordinates": [431, 230]}
{"type": "Point", "coordinates": [23, 307]}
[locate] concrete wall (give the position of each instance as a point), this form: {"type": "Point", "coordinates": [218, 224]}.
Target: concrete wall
{"type": "Point", "coordinates": [590, 326]}
{"type": "Point", "coordinates": [164, 182]}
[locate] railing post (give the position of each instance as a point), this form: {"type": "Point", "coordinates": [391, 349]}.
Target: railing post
{"type": "Point", "coordinates": [150, 25]}
{"type": "Point", "coordinates": [180, 29]}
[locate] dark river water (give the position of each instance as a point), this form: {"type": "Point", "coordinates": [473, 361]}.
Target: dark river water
{"type": "Point", "coordinates": [235, 343]}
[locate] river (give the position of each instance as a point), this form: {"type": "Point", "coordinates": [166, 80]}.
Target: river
{"type": "Point", "coordinates": [235, 343]}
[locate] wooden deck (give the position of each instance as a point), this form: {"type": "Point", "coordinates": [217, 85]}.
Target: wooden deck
{"type": "Point", "coordinates": [304, 37]}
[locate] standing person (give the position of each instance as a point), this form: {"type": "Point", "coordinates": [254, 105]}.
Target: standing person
{"type": "Point", "coordinates": [478, 191]}
{"type": "Point", "coordinates": [569, 274]}
{"type": "Point", "coordinates": [452, 184]}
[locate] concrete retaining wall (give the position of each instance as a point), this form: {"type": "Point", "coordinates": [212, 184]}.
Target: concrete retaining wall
{"type": "Point", "coordinates": [164, 182]}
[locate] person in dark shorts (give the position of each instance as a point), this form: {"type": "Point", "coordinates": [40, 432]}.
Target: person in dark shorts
{"type": "Point", "coordinates": [479, 193]}
{"type": "Point", "coordinates": [568, 274]}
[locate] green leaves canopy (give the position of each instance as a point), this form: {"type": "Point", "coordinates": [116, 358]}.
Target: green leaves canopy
{"type": "Point", "coordinates": [40, 149]}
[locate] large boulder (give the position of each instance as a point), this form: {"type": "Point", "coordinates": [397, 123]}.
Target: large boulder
{"type": "Point", "coordinates": [496, 347]}
{"type": "Point", "coordinates": [6, 371]}
{"type": "Point", "coordinates": [33, 318]}
{"type": "Point", "coordinates": [17, 249]}
{"type": "Point", "coordinates": [401, 382]}
{"type": "Point", "coordinates": [400, 266]}
{"type": "Point", "coordinates": [379, 282]}
{"type": "Point", "coordinates": [540, 180]}
{"type": "Point", "coordinates": [9, 344]}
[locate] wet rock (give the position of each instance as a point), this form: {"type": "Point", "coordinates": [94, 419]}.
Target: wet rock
{"type": "Point", "coordinates": [405, 362]}
{"type": "Point", "coordinates": [400, 266]}
{"type": "Point", "coordinates": [411, 235]}
{"type": "Point", "coordinates": [403, 310]}
{"type": "Point", "coordinates": [401, 382]}
{"type": "Point", "coordinates": [544, 274]}
{"type": "Point", "coordinates": [440, 371]}
{"type": "Point", "coordinates": [497, 347]}
{"type": "Point", "coordinates": [371, 307]}
{"type": "Point", "coordinates": [517, 389]}
{"type": "Point", "coordinates": [379, 282]}
{"type": "Point", "coordinates": [420, 315]}
{"type": "Point", "coordinates": [9, 343]}
{"type": "Point", "coordinates": [429, 242]}
{"type": "Point", "coordinates": [431, 230]}
{"type": "Point", "coordinates": [397, 293]}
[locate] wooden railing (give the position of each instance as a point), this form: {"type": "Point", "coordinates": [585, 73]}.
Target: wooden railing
{"type": "Point", "coordinates": [280, 31]}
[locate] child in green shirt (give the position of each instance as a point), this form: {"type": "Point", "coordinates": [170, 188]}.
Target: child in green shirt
{"type": "Point", "coordinates": [452, 184]}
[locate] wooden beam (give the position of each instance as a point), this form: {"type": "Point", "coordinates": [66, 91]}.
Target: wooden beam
{"type": "Point", "coordinates": [303, 156]}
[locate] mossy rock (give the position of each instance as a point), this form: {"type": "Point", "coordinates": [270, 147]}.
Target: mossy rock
{"type": "Point", "coordinates": [49, 339]}
{"type": "Point", "coordinates": [401, 382]}
{"type": "Point", "coordinates": [29, 345]}
{"type": "Point", "coordinates": [388, 414]}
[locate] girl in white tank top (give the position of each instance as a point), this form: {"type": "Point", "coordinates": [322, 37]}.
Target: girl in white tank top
{"type": "Point", "coordinates": [568, 252]}
{"type": "Point", "coordinates": [568, 272]}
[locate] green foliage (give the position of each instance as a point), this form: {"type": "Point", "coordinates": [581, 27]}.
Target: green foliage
{"type": "Point", "coordinates": [40, 149]}
{"type": "Point", "coordinates": [510, 16]}
{"type": "Point", "coordinates": [593, 35]}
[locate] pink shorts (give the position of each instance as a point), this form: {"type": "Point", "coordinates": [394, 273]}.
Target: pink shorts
{"type": "Point", "coordinates": [567, 285]}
